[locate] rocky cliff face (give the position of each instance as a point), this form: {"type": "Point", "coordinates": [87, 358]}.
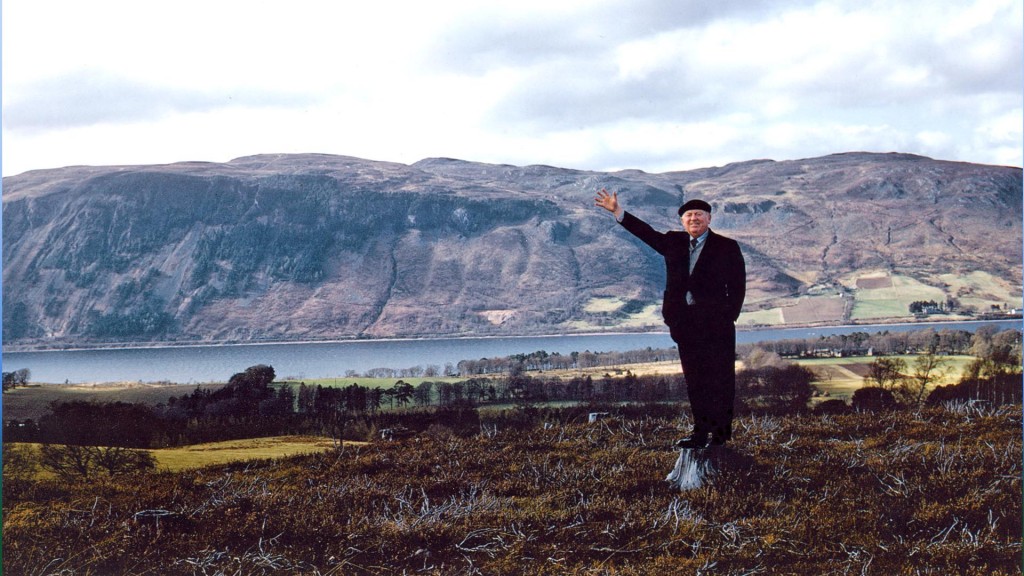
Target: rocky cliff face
{"type": "Point", "coordinates": [293, 247]}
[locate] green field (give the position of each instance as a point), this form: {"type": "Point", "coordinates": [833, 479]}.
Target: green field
{"type": "Point", "coordinates": [368, 382]}
{"type": "Point", "coordinates": [982, 290]}
{"type": "Point", "coordinates": [604, 304]}
{"type": "Point", "coordinates": [893, 301]}
{"type": "Point", "coordinates": [841, 377]}
{"type": "Point", "coordinates": [770, 317]}
{"type": "Point", "coordinates": [216, 453]}
{"type": "Point", "coordinates": [34, 401]}
{"type": "Point", "coordinates": [213, 453]}
{"type": "Point", "coordinates": [646, 317]}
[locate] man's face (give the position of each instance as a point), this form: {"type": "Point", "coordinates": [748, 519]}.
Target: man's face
{"type": "Point", "coordinates": [696, 222]}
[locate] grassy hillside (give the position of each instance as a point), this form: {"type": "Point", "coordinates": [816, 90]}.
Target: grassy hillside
{"type": "Point", "coordinates": [935, 491]}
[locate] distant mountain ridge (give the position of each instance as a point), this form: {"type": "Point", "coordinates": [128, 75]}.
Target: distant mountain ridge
{"type": "Point", "coordinates": [311, 247]}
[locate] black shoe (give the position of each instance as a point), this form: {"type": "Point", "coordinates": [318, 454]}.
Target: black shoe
{"type": "Point", "coordinates": [693, 441]}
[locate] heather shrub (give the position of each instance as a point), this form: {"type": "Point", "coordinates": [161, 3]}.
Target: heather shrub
{"type": "Point", "coordinates": [873, 398]}
{"type": "Point", "coordinates": [928, 491]}
{"type": "Point", "coordinates": [833, 406]}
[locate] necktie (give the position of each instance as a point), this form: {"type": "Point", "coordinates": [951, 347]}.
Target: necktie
{"type": "Point", "coordinates": [693, 246]}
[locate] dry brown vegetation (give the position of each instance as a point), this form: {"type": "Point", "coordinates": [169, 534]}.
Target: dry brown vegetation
{"type": "Point", "coordinates": [935, 491]}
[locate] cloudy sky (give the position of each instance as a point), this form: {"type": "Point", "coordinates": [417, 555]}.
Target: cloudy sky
{"type": "Point", "coordinates": [656, 85]}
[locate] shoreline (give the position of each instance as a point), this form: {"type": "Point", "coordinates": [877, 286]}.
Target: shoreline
{"type": "Point", "coordinates": [16, 349]}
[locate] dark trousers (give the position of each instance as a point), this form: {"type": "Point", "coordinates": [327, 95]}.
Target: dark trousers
{"type": "Point", "coordinates": [707, 350]}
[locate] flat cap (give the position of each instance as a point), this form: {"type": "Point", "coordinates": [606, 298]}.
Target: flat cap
{"type": "Point", "coordinates": [695, 205]}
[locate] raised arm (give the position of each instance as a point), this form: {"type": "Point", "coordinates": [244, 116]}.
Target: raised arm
{"type": "Point", "coordinates": [610, 202]}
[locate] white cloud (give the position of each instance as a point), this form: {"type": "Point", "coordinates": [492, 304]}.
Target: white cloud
{"type": "Point", "coordinates": [655, 84]}
{"type": "Point", "coordinates": [86, 97]}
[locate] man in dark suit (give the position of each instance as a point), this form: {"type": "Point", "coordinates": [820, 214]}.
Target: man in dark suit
{"type": "Point", "coordinates": [706, 283]}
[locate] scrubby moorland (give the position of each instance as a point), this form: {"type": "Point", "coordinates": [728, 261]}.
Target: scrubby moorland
{"type": "Point", "coordinates": [929, 491]}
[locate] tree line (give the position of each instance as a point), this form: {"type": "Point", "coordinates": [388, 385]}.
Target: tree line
{"type": "Point", "coordinates": [944, 341]}
{"type": "Point", "coordinates": [542, 360]}
{"type": "Point", "coordinates": [252, 404]}
{"type": "Point", "coordinates": [886, 342]}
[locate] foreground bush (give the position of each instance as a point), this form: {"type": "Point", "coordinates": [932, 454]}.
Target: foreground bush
{"type": "Point", "coordinates": [934, 491]}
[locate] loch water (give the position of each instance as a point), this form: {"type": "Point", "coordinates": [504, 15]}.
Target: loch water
{"type": "Point", "coordinates": [195, 364]}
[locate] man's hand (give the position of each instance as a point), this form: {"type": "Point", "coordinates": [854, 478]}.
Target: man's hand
{"type": "Point", "coordinates": [608, 201]}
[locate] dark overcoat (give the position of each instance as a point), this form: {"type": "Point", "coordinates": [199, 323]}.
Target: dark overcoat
{"type": "Point", "coordinates": [718, 282]}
